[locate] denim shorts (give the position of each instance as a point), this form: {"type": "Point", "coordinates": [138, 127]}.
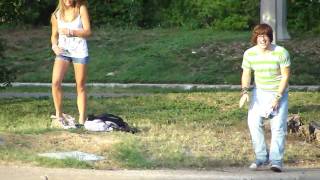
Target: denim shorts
{"type": "Point", "coordinates": [84, 60]}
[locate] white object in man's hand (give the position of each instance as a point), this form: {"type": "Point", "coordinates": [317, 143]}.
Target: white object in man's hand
{"type": "Point", "coordinates": [244, 98]}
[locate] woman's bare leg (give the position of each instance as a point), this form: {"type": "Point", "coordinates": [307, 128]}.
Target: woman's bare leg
{"type": "Point", "coordinates": [80, 71]}
{"type": "Point", "coordinates": [60, 67]}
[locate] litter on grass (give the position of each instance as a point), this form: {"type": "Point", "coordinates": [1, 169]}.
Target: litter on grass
{"type": "Point", "coordinates": [78, 155]}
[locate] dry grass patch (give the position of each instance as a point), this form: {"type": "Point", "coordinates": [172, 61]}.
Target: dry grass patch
{"type": "Point", "coordinates": [198, 130]}
{"type": "Point", "coordinates": [63, 141]}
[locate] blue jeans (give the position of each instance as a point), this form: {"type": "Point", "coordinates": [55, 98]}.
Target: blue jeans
{"type": "Point", "coordinates": [260, 100]}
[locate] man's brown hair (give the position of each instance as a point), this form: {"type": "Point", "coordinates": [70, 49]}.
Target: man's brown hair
{"type": "Point", "coordinates": [261, 29]}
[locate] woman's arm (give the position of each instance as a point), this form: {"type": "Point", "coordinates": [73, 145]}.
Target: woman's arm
{"type": "Point", "coordinates": [86, 31]}
{"type": "Point", "coordinates": [54, 35]}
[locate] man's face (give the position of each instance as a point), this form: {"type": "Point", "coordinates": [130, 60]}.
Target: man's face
{"type": "Point", "coordinates": [263, 41]}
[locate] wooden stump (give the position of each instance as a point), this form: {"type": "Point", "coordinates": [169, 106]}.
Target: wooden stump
{"type": "Point", "coordinates": [294, 123]}
{"type": "Point", "coordinates": [314, 128]}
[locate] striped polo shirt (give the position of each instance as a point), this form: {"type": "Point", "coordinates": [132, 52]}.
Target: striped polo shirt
{"type": "Point", "coordinates": [267, 66]}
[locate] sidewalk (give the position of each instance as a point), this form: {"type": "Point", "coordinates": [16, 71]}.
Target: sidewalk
{"type": "Point", "coordinates": [38, 173]}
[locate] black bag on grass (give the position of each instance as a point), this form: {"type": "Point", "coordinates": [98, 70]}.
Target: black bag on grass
{"type": "Point", "coordinates": [123, 126]}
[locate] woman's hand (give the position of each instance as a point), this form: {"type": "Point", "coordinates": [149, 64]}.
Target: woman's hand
{"type": "Point", "coordinates": [56, 50]}
{"type": "Point", "coordinates": [65, 31]}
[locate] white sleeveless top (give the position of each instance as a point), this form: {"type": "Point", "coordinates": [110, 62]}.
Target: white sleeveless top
{"type": "Point", "coordinates": [74, 46]}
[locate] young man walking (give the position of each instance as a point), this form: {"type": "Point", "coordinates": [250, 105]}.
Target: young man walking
{"type": "Point", "coordinates": [270, 65]}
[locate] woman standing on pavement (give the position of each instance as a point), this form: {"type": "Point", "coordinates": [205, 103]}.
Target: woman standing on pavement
{"type": "Point", "coordinates": [70, 28]}
{"type": "Point", "coordinates": [270, 64]}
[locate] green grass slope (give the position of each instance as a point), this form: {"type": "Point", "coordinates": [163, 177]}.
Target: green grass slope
{"type": "Point", "coordinates": [156, 56]}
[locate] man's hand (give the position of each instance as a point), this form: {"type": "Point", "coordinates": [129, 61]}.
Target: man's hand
{"type": "Point", "coordinates": [244, 98]}
{"type": "Point", "coordinates": [275, 104]}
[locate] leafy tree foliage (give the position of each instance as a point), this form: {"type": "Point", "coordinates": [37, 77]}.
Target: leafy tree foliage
{"type": "Point", "coordinates": [303, 15]}
{"type": "Point", "coordinates": [34, 12]}
{"type": "Point", "coordinates": [115, 12]}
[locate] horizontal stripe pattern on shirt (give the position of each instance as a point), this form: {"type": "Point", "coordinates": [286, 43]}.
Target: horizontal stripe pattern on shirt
{"type": "Point", "coordinates": [266, 67]}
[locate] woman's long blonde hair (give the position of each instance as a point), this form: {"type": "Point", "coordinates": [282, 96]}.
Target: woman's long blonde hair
{"type": "Point", "coordinates": [61, 7]}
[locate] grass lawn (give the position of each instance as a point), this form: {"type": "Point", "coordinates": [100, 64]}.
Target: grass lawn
{"type": "Point", "coordinates": [155, 55]}
{"type": "Point", "coordinates": [198, 130]}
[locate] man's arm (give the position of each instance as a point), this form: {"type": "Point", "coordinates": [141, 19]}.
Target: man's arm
{"type": "Point", "coordinates": [285, 73]}
{"type": "Point", "coordinates": [245, 85]}
{"type": "Point", "coordinates": [246, 78]}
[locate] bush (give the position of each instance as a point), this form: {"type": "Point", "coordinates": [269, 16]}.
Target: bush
{"type": "Point", "coordinates": [303, 15]}
{"type": "Point", "coordinates": [234, 22]}
{"type": "Point", "coordinates": [34, 12]}
{"type": "Point", "coordinates": [220, 14]}
{"type": "Point", "coordinates": [118, 13]}
{"type": "Point", "coordinates": [143, 13]}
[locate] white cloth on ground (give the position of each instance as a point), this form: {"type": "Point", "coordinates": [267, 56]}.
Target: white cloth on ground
{"type": "Point", "coordinates": [99, 125]}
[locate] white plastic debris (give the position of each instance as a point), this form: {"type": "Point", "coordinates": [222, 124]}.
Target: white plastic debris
{"type": "Point", "coordinates": [78, 155]}
{"type": "Point", "coordinates": [110, 74]}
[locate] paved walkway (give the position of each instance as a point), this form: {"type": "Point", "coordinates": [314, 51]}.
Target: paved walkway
{"type": "Point", "coordinates": [38, 173]}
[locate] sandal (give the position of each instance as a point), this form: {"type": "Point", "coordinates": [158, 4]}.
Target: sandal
{"type": "Point", "coordinates": [64, 122]}
{"type": "Point", "coordinates": [70, 120]}
{"type": "Point", "coordinates": [58, 122]}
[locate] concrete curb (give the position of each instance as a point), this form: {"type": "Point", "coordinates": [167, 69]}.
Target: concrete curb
{"type": "Point", "coordinates": [6, 95]}
{"type": "Point", "coordinates": [179, 86]}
